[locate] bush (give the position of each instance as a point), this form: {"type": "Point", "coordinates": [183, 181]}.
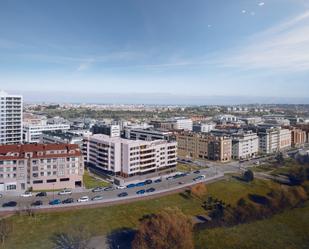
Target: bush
{"type": "Point", "coordinates": [168, 229]}
{"type": "Point", "coordinates": [248, 176]}
{"type": "Point", "coordinates": [198, 191]}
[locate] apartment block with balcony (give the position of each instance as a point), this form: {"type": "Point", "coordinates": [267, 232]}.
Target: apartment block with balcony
{"type": "Point", "coordinates": [245, 145]}
{"type": "Point", "coordinates": [298, 137]}
{"type": "Point", "coordinates": [123, 157]}
{"type": "Point", "coordinates": [199, 146]}
{"type": "Point", "coordinates": [11, 108]}
{"type": "Point", "coordinates": [40, 166]}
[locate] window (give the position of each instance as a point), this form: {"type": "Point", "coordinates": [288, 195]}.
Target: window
{"type": "Point", "coordinates": [51, 180]}
{"type": "Point", "coordinates": [64, 179]}
{"type": "Point", "coordinates": [35, 174]}
{"type": "Point", "coordinates": [11, 187]}
{"type": "Point", "coordinates": [37, 182]}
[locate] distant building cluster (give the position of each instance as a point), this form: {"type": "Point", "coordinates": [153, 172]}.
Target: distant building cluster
{"type": "Point", "coordinates": [44, 153]}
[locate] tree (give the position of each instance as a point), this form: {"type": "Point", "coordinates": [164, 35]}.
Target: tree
{"type": "Point", "coordinates": [279, 158]}
{"type": "Point", "coordinates": [6, 228]}
{"type": "Point", "coordinates": [199, 190]}
{"type": "Point", "coordinates": [168, 229]}
{"type": "Point", "coordinates": [248, 176]}
{"type": "Point", "coordinates": [77, 238]}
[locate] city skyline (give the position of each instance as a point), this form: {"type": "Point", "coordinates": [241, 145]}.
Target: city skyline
{"type": "Point", "coordinates": [153, 53]}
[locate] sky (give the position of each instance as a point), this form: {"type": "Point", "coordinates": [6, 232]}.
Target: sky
{"type": "Point", "coordinates": [156, 51]}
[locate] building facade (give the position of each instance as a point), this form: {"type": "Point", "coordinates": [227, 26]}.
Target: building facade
{"type": "Point", "coordinates": [112, 130]}
{"type": "Point", "coordinates": [123, 157]}
{"type": "Point", "coordinates": [11, 109]}
{"type": "Point", "coordinates": [32, 133]}
{"type": "Point", "coordinates": [273, 139]}
{"type": "Point", "coordinates": [245, 145]}
{"type": "Point", "coordinates": [298, 137]}
{"type": "Point", "coordinates": [147, 134]}
{"type": "Point", "coordinates": [199, 146]}
{"type": "Point", "coordinates": [40, 166]}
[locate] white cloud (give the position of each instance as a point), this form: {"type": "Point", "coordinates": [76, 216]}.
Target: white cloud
{"type": "Point", "coordinates": [261, 4]}
{"type": "Point", "coordinates": [284, 47]}
{"type": "Point", "coordinates": [243, 11]}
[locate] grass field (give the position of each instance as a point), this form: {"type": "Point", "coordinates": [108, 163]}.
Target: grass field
{"type": "Point", "coordinates": [36, 232]}
{"type": "Point", "coordinates": [289, 230]}
{"type": "Point", "coordinates": [91, 182]}
{"type": "Point", "coordinates": [185, 167]}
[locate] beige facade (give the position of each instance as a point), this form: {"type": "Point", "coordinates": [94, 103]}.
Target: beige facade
{"type": "Point", "coordinates": [204, 146]}
{"type": "Point", "coordinates": [40, 166]}
{"type": "Point", "coordinates": [299, 137]}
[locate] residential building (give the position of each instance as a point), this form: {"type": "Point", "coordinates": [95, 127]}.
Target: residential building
{"type": "Point", "coordinates": [123, 157]}
{"type": "Point", "coordinates": [204, 127]}
{"type": "Point", "coordinates": [112, 130]}
{"type": "Point", "coordinates": [201, 146]}
{"type": "Point", "coordinates": [62, 137]}
{"type": "Point", "coordinates": [32, 133]}
{"type": "Point", "coordinates": [273, 139]}
{"type": "Point", "coordinates": [11, 108]}
{"type": "Point", "coordinates": [40, 166]}
{"type": "Point", "coordinates": [176, 123]}
{"type": "Point", "coordinates": [147, 134]}
{"type": "Point", "coordinates": [298, 137]}
{"type": "Point", "coordinates": [245, 145]}
{"type": "Point", "coordinates": [226, 118]}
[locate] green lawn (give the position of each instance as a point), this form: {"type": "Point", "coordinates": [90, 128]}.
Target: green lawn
{"type": "Point", "coordinates": [91, 182]}
{"type": "Point", "coordinates": [36, 232]}
{"type": "Point", "coordinates": [185, 167]}
{"type": "Point", "coordinates": [289, 230]}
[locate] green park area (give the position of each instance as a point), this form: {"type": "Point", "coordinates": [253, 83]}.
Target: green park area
{"type": "Point", "coordinates": [287, 229]}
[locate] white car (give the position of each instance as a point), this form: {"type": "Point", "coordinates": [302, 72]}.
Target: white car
{"type": "Point", "coordinates": [83, 199]}
{"type": "Point", "coordinates": [121, 187]}
{"type": "Point", "coordinates": [26, 194]}
{"type": "Point", "coordinates": [65, 192]}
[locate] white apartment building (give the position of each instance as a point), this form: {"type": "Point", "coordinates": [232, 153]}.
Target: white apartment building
{"type": "Point", "coordinates": [226, 118]}
{"type": "Point", "coordinates": [126, 158]}
{"type": "Point", "coordinates": [204, 127]}
{"type": "Point", "coordinates": [183, 124]}
{"type": "Point", "coordinates": [32, 133]}
{"type": "Point", "coordinates": [11, 109]}
{"type": "Point", "coordinates": [274, 139]}
{"type": "Point", "coordinates": [245, 145]}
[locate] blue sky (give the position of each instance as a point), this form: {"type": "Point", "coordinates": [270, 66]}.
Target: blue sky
{"type": "Point", "coordinates": [182, 49]}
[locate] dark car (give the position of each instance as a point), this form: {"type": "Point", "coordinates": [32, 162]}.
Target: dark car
{"type": "Point", "coordinates": [197, 172]}
{"type": "Point", "coordinates": [67, 201]}
{"type": "Point", "coordinates": [157, 181]}
{"type": "Point", "coordinates": [169, 178]}
{"type": "Point", "coordinates": [148, 182]}
{"type": "Point", "coordinates": [10, 204]}
{"type": "Point", "coordinates": [123, 194]}
{"type": "Point", "coordinates": [55, 202]}
{"type": "Point", "coordinates": [97, 189]}
{"type": "Point", "coordinates": [41, 194]}
{"type": "Point", "coordinates": [37, 203]}
{"type": "Point", "coordinates": [150, 190]}
{"type": "Point", "coordinates": [141, 192]}
{"type": "Point", "coordinates": [140, 184]}
{"type": "Point", "coordinates": [132, 185]}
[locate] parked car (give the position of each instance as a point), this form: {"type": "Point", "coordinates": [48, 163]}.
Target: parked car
{"type": "Point", "coordinates": [123, 194]}
{"type": "Point", "coordinates": [55, 202]}
{"type": "Point", "coordinates": [97, 198]}
{"type": "Point", "coordinates": [26, 194]}
{"type": "Point", "coordinates": [169, 178]}
{"type": "Point", "coordinates": [41, 194]}
{"type": "Point", "coordinates": [83, 199]}
{"type": "Point", "coordinates": [37, 203]}
{"type": "Point", "coordinates": [97, 189]}
{"type": "Point", "coordinates": [197, 172]}
{"type": "Point", "coordinates": [65, 192]}
{"type": "Point", "coordinates": [108, 189]}
{"type": "Point", "coordinates": [148, 182]}
{"type": "Point", "coordinates": [67, 201]}
{"type": "Point", "coordinates": [181, 183]}
{"type": "Point", "coordinates": [141, 192]}
{"type": "Point", "coordinates": [10, 204]}
{"type": "Point", "coordinates": [157, 180]}
{"type": "Point", "coordinates": [132, 185]}
{"type": "Point", "coordinates": [199, 178]}
{"type": "Point", "coordinates": [140, 184]}
{"type": "Point", "coordinates": [121, 187]}
{"type": "Point", "coordinates": [150, 190]}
